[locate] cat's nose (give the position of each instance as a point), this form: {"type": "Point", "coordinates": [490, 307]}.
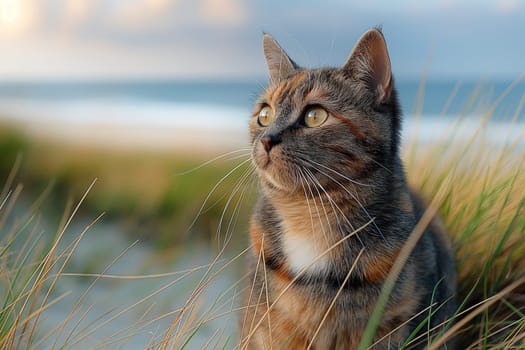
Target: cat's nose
{"type": "Point", "coordinates": [269, 141]}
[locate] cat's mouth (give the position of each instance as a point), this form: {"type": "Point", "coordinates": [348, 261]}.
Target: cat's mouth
{"type": "Point", "coordinates": [262, 159]}
{"type": "Point", "coordinates": [275, 172]}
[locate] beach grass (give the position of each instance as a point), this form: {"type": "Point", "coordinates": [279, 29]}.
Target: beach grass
{"type": "Point", "coordinates": [483, 207]}
{"type": "Point", "coordinates": [30, 267]}
{"type": "Point", "coordinates": [155, 195]}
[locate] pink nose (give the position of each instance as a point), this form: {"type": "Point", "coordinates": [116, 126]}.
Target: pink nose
{"type": "Point", "coordinates": [267, 143]}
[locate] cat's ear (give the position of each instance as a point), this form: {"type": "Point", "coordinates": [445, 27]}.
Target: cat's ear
{"type": "Point", "coordinates": [369, 62]}
{"type": "Point", "coordinates": [280, 66]}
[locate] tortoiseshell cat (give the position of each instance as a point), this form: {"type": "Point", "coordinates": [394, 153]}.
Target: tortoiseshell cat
{"type": "Point", "coordinates": [326, 147]}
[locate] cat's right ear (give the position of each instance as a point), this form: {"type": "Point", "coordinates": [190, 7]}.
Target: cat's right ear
{"type": "Point", "coordinates": [369, 63]}
{"type": "Point", "coordinates": [280, 66]}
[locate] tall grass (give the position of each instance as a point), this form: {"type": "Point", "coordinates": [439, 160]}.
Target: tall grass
{"type": "Point", "coordinates": [483, 209]}
{"type": "Point", "coordinates": [34, 264]}
{"type": "Point", "coordinates": [477, 187]}
{"type": "Point", "coordinates": [29, 268]}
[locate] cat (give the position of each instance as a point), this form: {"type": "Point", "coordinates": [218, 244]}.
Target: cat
{"type": "Point", "coordinates": [326, 149]}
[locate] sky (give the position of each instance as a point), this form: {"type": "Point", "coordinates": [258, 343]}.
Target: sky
{"type": "Point", "coordinates": [219, 39]}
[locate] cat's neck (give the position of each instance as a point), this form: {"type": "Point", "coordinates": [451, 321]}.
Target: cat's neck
{"type": "Point", "coordinates": [311, 228]}
{"type": "Point", "coordinates": [314, 223]}
{"type": "Point", "coordinates": [346, 196]}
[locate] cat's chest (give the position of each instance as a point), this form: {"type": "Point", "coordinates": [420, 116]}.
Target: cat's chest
{"type": "Point", "coordinates": [306, 245]}
{"type": "Point", "coordinates": [303, 255]}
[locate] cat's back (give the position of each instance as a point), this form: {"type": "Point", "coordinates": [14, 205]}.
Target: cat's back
{"type": "Point", "coordinates": [435, 258]}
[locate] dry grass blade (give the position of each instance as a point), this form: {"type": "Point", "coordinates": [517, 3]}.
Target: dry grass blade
{"type": "Point", "coordinates": [488, 302]}
{"type": "Point", "coordinates": [339, 291]}
{"type": "Point", "coordinates": [170, 336]}
{"type": "Point", "coordinates": [47, 265]}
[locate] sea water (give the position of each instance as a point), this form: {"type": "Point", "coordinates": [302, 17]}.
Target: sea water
{"type": "Point", "coordinates": [226, 106]}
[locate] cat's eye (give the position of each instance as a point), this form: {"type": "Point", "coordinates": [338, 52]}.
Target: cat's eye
{"type": "Point", "coordinates": [315, 117]}
{"type": "Point", "coordinates": [265, 116]}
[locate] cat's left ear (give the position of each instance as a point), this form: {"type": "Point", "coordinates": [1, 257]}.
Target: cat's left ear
{"type": "Point", "coordinates": [369, 62]}
{"type": "Point", "coordinates": [280, 66]}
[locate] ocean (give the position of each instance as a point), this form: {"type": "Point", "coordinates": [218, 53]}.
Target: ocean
{"type": "Point", "coordinates": [227, 105]}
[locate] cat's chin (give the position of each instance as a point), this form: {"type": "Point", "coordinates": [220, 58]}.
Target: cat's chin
{"type": "Point", "coordinates": [274, 172]}
{"type": "Point", "coordinates": [277, 184]}
{"type": "Point", "coordinates": [272, 184]}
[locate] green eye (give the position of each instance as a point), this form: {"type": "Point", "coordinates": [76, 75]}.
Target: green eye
{"type": "Point", "coordinates": [265, 116]}
{"type": "Point", "coordinates": [315, 117]}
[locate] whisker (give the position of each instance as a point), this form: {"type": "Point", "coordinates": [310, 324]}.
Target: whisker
{"type": "Point", "coordinates": [330, 200]}
{"type": "Point", "coordinates": [332, 204]}
{"type": "Point", "coordinates": [201, 209]}
{"type": "Point", "coordinates": [307, 202]}
{"type": "Point", "coordinates": [354, 197]}
{"type": "Point", "coordinates": [224, 155]}
{"type": "Point", "coordinates": [240, 184]}
{"type": "Point", "coordinates": [340, 174]}
{"type": "Point", "coordinates": [235, 215]}
{"type": "Point", "coordinates": [381, 165]}
{"type": "Point", "coordinates": [319, 214]}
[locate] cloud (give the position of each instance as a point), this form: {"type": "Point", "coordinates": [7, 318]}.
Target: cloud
{"type": "Point", "coordinates": [78, 10]}
{"type": "Point", "coordinates": [78, 38]}
{"type": "Point", "coordinates": [223, 12]}
{"type": "Point", "coordinates": [140, 14]}
{"type": "Point", "coordinates": [16, 17]}
{"type": "Point", "coordinates": [508, 6]}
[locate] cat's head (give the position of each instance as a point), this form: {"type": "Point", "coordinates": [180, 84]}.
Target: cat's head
{"type": "Point", "coordinates": [326, 126]}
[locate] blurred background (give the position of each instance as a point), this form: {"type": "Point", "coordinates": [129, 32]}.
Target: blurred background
{"type": "Point", "coordinates": [86, 80]}
{"type": "Point", "coordinates": [138, 93]}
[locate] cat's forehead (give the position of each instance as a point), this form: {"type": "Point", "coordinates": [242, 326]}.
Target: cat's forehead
{"type": "Point", "coordinates": [304, 86]}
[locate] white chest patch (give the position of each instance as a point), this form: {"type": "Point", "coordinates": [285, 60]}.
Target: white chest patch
{"type": "Point", "coordinates": [302, 253]}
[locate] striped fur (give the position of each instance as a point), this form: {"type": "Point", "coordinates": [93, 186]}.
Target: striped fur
{"type": "Point", "coordinates": [315, 281]}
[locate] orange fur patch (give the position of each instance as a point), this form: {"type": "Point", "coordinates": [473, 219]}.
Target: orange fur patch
{"type": "Point", "coordinates": [256, 237]}
{"type": "Point", "coordinates": [283, 274]}
{"type": "Point", "coordinates": [288, 84]}
{"type": "Point", "coordinates": [353, 128]}
{"type": "Point", "coordinates": [315, 95]}
{"type": "Point", "coordinates": [378, 266]}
